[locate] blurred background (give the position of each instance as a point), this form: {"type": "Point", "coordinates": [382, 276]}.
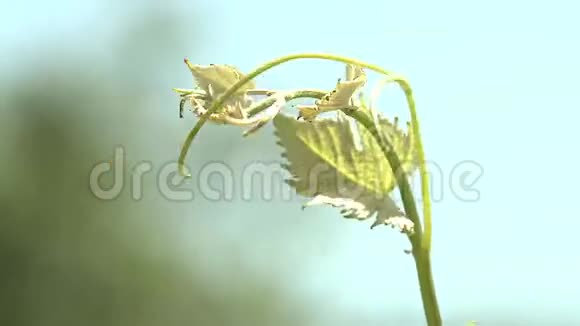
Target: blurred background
{"type": "Point", "coordinates": [495, 85]}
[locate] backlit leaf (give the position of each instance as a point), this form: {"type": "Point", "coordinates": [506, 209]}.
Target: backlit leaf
{"type": "Point", "coordinates": [327, 166]}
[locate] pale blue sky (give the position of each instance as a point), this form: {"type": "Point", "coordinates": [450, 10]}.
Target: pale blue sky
{"type": "Point", "coordinates": [495, 83]}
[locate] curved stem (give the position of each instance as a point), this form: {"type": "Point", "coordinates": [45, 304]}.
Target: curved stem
{"type": "Point", "coordinates": [421, 255]}
{"type": "Point", "coordinates": [404, 84]}
{"type": "Point", "coordinates": [289, 95]}
{"type": "Point", "coordinates": [425, 196]}
{"type": "Point", "coordinates": [426, 242]}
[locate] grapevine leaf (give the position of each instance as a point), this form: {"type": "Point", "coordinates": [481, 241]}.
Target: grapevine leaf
{"type": "Point", "coordinates": [326, 166]}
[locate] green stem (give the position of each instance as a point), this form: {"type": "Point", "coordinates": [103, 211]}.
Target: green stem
{"type": "Point", "coordinates": [289, 95]}
{"type": "Point", "coordinates": [421, 244]}
{"type": "Point", "coordinates": [404, 84]}
{"type": "Point", "coordinates": [425, 196]}
{"type": "Point", "coordinates": [421, 255]}
{"type": "Point", "coordinates": [426, 286]}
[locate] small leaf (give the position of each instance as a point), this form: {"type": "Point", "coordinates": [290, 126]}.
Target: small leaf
{"type": "Point", "coordinates": [337, 99]}
{"type": "Point", "coordinates": [218, 77]}
{"type": "Point", "coordinates": [340, 97]}
{"type": "Point", "coordinates": [212, 82]}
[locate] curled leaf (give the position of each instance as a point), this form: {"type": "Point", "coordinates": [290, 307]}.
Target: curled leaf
{"type": "Point", "coordinates": [339, 98]}
{"type": "Point", "coordinates": [216, 79]}
{"type": "Point", "coordinates": [212, 81]}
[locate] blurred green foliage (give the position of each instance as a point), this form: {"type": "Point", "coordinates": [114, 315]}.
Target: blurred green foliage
{"type": "Point", "coordinates": [68, 258]}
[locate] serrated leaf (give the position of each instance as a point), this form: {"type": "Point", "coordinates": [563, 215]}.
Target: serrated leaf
{"type": "Point", "coordinates": [327, 166]}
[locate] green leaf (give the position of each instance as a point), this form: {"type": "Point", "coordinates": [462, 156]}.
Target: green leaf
{"type": "Point", "coordinates": [327, 166]}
